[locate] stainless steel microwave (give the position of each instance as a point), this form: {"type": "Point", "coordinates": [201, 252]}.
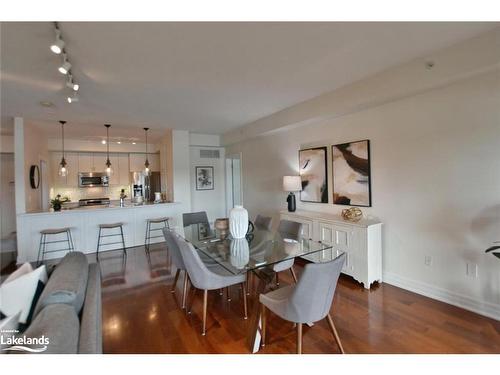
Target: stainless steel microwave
{"type": "Point", "coordinates": [93, 179]}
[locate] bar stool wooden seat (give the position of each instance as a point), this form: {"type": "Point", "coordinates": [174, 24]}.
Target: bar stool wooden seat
{"type": "Point", "coordinates": [105, 227]}
{"type": "Point", "coordinates": [150, 228]}
{"type": "Point", "coordinates": [42, 248]}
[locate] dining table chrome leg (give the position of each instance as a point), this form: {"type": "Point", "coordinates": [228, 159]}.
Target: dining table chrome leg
{"type": "Point", "coordinates": [265, 277]}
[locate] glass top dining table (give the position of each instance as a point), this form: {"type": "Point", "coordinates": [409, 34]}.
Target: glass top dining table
{"type": "Point", "coordinates": [261, 248]}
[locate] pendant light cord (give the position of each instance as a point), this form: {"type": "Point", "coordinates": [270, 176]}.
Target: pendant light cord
{"type": "Point", "coordinates": [107, 140]}
{"type": "Point", "coordinates": [62, 127]}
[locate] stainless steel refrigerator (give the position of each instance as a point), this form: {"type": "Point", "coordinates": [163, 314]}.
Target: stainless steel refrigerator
{"type": "Point", "coordinates": [144, 187]}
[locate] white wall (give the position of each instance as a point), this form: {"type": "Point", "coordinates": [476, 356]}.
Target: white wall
{"type": "Point", "coordinates": [211, 201]}
{"type": "Point", "coordinates": [6, 143]}
{"type": "Point", "coordinates": [435, 160]}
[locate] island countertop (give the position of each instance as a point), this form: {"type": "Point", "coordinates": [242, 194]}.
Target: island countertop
{"type": "Point", "coordinates": [113, 206]}
{"type": "Point", "coordinates": [84, 225]}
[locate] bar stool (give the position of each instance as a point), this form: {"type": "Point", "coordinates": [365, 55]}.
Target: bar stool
{"type": "Point", "coordinates": [149, 229]}
{"type": "Point", "coordinates": [104, 227]}
{"type": "Point", "coordinates": [42, 248]}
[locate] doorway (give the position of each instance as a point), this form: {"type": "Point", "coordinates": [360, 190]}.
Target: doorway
{"type": "Point", "coordinates": [234, 191]}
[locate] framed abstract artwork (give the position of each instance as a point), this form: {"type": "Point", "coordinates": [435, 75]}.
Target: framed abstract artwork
{"type": "Point", "coordinates": [351, 174]}
{"type": "Point", "coordinates": [313, 173]}
{"type": "Point", "coordinates": [204, 178]}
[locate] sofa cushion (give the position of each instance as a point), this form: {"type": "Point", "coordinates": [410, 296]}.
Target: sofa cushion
{"type": "Point", "coordinates": [19, 290]}
{"type": "Point", "coordinates": [69, 275]}
{"type": "Point", "coordinates": [59, 323]}
{"type": "Point", "coordinates": [91, 320]}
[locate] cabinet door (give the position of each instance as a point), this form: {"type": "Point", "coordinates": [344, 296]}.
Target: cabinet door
{"type": "Point", "coordinates": [123, 167]}
{"type": "Point", "coordinates": [307, 225]}
{"type": "Point", "coordinates": [99, 162]}
{"type": "Point", "coordinates": [137, 162]}
{"type": "Point", "coordinates": [114, 179]}
{"type": "Point", "coordinates": [55, 159]}
{"type": "Point", "coordinates": [85, 162]}
{"type": "Point", "coordinates": [154, 161]}
{"type": "Point", "coordinates": [73, 166]}
{"type": "Point", "coordinates": [344, 239]}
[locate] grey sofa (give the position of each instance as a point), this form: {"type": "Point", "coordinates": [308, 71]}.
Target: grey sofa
{"type": "Point", "coordinates": [68, 311]}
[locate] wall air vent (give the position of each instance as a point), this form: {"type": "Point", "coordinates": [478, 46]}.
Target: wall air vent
{"type": "Point", "coordinates": [209, 154]}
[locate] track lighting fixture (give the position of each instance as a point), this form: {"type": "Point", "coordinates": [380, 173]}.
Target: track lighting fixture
{"type": "Point", "coordinates": [58, 46]}
{"type": "Point", "coordinates": [73, 99]}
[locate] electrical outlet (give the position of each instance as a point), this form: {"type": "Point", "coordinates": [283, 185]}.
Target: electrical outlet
{"type": "Point", "coordinates": [428, 260]}
{"type": "Point", "coordinates": [471, 270]}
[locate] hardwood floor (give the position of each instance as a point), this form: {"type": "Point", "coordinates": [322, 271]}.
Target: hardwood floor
{"type": "Point", "coordinates": [141, 315]}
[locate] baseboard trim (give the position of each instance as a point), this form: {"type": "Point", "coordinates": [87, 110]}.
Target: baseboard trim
{"type": "Point", "coordinates": [487, 309]}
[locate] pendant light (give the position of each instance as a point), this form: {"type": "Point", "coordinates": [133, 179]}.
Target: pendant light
{"type": "Point", "coordinates": [63, 169]}
{"type": "Point", "coordinates": [146, 163]}
{"type": "Point", "coordinates": [109, 170]}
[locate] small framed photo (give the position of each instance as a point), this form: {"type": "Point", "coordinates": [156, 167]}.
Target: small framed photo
{"type": "Point", "coordinates": [204, 178]}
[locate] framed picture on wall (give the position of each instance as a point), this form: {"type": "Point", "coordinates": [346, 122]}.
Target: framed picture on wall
{"type": "Point", "coordinates": [351, 174]}
{"type": "Point", "coordinates": [204, 178]}
{"type": "Point", "coordinates": [313, 173]}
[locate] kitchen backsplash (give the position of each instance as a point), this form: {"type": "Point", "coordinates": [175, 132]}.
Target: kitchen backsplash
{"type": "Point", "coordinates": [74, 194]}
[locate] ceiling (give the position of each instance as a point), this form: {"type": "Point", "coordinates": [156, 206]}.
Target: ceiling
{"type": "Point", "coordinates": [202, 77]}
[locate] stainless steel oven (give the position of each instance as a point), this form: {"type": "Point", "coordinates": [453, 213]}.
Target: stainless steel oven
{"type": "Point", "coordinates": [93, 179]}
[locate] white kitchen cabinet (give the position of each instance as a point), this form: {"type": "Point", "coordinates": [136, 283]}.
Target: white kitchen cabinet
{"type": "Point", "coordinates": [123, 169]}
{"type": "Point", "coordinates": [85, 162]}
{"type": "Point", "coordinates": [71, 179]}
{"type": "Point", "coordinates": [137, 162]}
{"type": "Point", "coordinates": [361, 241]}
{"type": "Point", "coordinates": [99, 161]}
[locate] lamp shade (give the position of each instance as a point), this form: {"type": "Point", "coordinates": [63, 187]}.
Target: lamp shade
{"type": "Point", "coordinates": [292, 183]}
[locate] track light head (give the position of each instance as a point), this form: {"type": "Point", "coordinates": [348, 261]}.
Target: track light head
{"type": "Point", "coordinates": [58, 46]}
{"type": "Point", "coordinates": [66, 66]}
{"type": "Point", "coordinates": [72, 99]}
{"type": "Point", "coordinates": [71, 84]}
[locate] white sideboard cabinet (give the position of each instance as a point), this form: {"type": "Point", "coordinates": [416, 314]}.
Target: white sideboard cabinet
{"type": "Point", "coordinates": [361, 241]}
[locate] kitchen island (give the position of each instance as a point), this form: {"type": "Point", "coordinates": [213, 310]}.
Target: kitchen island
{"type": "Point", "coordinates": [84, 224]}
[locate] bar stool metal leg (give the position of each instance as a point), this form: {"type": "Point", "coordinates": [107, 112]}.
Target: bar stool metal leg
{"type": "Point", "coordinates": [146, 237]}
{"type": "Point", "coordinates": [72, 245]}
{"type": "Point", "coordinates": [98, 244]}
{"type": "Point", "coordinates": [123, 240]}
{"type": "Point", "coordinates": [40, 249]}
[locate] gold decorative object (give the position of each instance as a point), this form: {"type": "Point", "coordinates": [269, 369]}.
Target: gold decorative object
{"type": "Point", "coordinates": [352, 214]}
{"type": "Point", "coordinates": [222, 225]}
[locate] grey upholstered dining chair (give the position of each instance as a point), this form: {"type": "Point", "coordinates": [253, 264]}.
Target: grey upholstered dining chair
{"type": "Point", "coordinates": [263, 222]}
{"type": "Point", "coordinates": [293, 231]}
{"type": "Point", "coordinates": [307, 301]}
{"type": "Point", "coordinates": [194, 218]}
{"type": "Point", "coordinates": [205, 278]}
{"type": "Point", "coordinates": [175, 252]}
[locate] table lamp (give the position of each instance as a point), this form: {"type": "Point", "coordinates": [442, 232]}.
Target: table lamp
{"type": "Point", "coordinates": [291, 184]}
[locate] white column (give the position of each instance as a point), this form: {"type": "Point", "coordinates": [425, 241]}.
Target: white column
{"type": "Point", "coordinates": [19, 175]}
{"type": "Point", "coordinates": [181, 178]}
